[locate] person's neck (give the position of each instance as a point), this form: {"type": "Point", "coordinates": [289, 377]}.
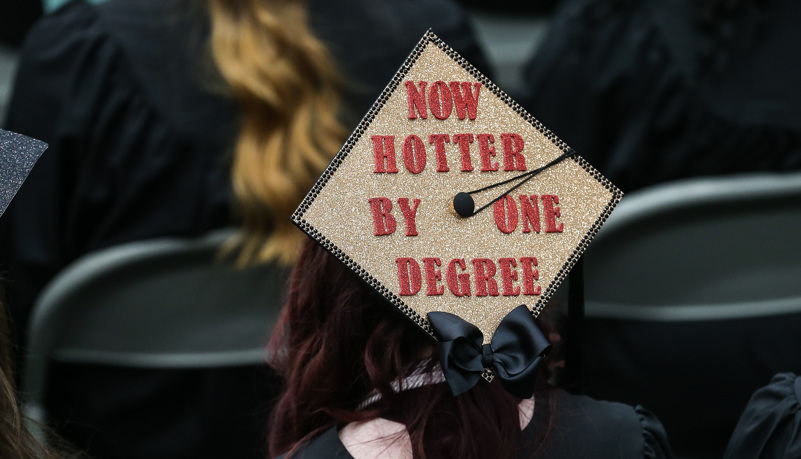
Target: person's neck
{"type": "Point", "coordinates": [388, 439]}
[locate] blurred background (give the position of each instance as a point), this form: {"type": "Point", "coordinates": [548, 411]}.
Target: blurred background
{"type": "Point", "coordinates": [509, 34]}
{"type": "Point", "coordinates": [693, 109]}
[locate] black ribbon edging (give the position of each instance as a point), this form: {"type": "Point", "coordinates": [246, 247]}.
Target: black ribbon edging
{"type": "Point", "coordinates": [515, 351]}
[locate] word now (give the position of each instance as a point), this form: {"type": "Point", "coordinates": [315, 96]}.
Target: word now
{"type": "Point", "coordinates": [460, 281]}
{"type": "Point", "coordinates": [442, 99]}
{"type": "Point", "coordinates": [415, 156]}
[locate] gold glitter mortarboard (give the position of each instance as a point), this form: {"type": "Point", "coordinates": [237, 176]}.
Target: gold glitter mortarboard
{"type": "Point", "coordinates": [440, 130]}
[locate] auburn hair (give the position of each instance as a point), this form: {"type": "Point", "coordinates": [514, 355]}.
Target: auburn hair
{"type": "Point", "coordinates": [286, 85]}
{"type": "Point", "coordinates": [337, 340]}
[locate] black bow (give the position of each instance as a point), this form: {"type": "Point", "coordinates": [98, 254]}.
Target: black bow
{"type": "Point", "coordinates": [517, 347]}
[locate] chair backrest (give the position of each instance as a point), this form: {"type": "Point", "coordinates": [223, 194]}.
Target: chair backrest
{"type": "Point", "coordinates": [161, 303]}
{"type": "Point", "coordinates": [693, 300]}
{"type": "Point", "coordinates": [700, 249]}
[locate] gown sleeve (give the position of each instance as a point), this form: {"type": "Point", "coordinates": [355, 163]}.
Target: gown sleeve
{"type": "Point", "coordinates": [770, 426]}
{"type": "Point", "coordinates": [654, 435]}
{"type": "Point", "coordinates": [566, 426]}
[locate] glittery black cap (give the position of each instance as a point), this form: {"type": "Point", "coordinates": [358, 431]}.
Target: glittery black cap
{"type": "Point", "coordinates": [18, 154]}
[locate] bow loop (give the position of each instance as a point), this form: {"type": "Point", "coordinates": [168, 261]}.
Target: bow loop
{"type": "Point", "coordinates": [515, 351]}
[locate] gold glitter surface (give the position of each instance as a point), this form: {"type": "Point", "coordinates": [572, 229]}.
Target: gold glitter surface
{"type": "Point", "coordinates": [341, 213]}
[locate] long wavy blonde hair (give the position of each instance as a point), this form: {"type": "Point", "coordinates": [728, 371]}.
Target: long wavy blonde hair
{"type": "Point", "coordinates": [287, 86]}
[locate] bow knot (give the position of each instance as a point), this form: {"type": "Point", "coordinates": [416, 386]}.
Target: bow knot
{"type": "Point", "coordinates": [515, 351]}
{"type": "Point", "coordinates": [486, 357]}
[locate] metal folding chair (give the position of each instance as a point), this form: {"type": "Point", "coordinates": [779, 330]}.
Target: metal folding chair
{"type": "Point", "coordinates": [693, 301]}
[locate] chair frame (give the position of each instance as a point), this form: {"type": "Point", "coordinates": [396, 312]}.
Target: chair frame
{"type": "Point", "coordinates": [231, 327]}
{"type": "Point", "coordinates": [645, 208]}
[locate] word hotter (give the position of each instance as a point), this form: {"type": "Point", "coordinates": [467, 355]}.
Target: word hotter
{"type": "Point", "coordinates": [415, 155]}
{"type": "Point", "coordinates": [460, 280]}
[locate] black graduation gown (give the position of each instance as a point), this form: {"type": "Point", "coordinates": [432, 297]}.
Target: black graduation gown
{"type": "Point", "coordinates": [564, 426]}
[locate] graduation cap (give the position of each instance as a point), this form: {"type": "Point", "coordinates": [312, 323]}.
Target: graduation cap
{"type": "Point", "coordinates": [463, 211]}
{"type": "Point", "coordinates": [18, 154]}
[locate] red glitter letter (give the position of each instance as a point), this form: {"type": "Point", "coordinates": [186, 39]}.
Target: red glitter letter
{"type": "Point", "coordinates": [417, 100]}
{"type": "Point", "coordinates": [464, 141]}
{"type": "Point", "coordinates": [439, 100]}
{"type": "Point", "coordinates": [551, 212]}
{"type": "Point", "coordinates": [409, 214]}
{"type": "Point", "coordinates": [508, 275]}
{"type": "Point", "coordinates": [382, 218]}
{"type": "Point", "coordinates": [467, 101]}
{"type": "Point", "coordinates": [512, 158]}
{"type": "Point", "coordinates": [505, 219]}
{"type": "Point", "coordinates": [414, 154]}
{"type": "Point", "coordinates": [433, 276]}
{"type": "Point", "coordinates": [530, 275]}
{"type": "Point", "coordinates": [531, 213]}
{"type": "Point", "coordinates": [384, 150]}
{"type": "Point", "coordinates": [459, 284]}
{"type": "Point", "coordinates": [487, 151]}
{"type": "Point", "coordinates": [439, 141]}
{"type": "Point", "coordinates": [408, 276]}
{"type": "Point", "coordinates": [485, 284]}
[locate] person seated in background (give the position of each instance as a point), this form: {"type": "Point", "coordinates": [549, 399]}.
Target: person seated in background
{"type": "Point", "coordinates": [173, 119]}
{"type": "Point", "coordinates": [18, 154]}
{"type": "Point", "coordinates": [770, 425]}
{"type": "Point", "coordinates": [652, 91]}
{"type": "Point", "coordinates": [655, 91]}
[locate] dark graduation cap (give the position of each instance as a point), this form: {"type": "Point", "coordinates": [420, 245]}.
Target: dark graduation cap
{"type": "Point", "coordinates": [18, 154]}
{"type": "Point", "coordinates": [462, 210]}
